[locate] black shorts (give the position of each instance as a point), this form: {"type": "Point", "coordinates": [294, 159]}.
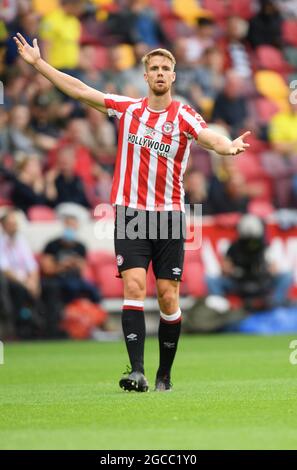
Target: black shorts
{"type": "Point", "coordinates": [144, 236]}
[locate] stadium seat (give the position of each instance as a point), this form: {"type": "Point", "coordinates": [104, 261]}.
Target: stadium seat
{"type": "Point", "coordinates": [266, 109]}
{"type": "Point", "coordinates": [218, 8]}
{"type": "Point", "coordinates": [260, 208]}
{"type": "Point", "coordinates": [289, 28]}
{"type": "Point", "coordinates": [101, 58]}
{"type": "Point", "coordinates": [97, 259]}
{"type": "Point", "coordinates": [270, 58]}
{"type": "Point", "coordinates": [249, 165]}
{"type": "Point", "coordinates": [162, 8]}
{"type": "Point", "coordinates": [191, 12]}
{"type": "Point", "coordinates": [242, 8]}
{"type": "Point", "coordinates": [193, 280]}
{"type": "Point", "coordinates": [228, 220]}
{"type": "Point", "coordinates": [272, 85]}
{"type": "Point", "coordinates": [41, 214]}
{"type": "Point", "coordinates": [107, 282]}
{"type": "Point", "coordinates": [171, 27]}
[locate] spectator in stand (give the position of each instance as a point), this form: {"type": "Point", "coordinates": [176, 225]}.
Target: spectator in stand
{"type": "Point", "coordinates": [248, 271]}
{"type": "Point", "coordinates": [208, 80]}
{"type": "Point", "coordinates": [228, 190]}
{"type": "Point", "coordinates": [121, 24]}
{"type": "Point", "coordinates": [77, 134]}
{"type": "Point", "coordinates": [102, 136]}
{"type": "Point", "coordinates": [134, 75]}
{"type": "Point", "coordinates": [62, 265]}
{"type": "Point", "coordinates": [283, 136]}
{"type": "Point", "coordinates": [20, 133]}
{"type": "Point", "coordinates": [196, 189]}
{"type": "Point", "coordinates": [69, 186]}
{"type": "Point", "coordinates": [287, 8]}
{"type": "Point", "coordinates": [48, 107]}
{"type": "Point", "coordinates": [28, 23]}
{"type": "Point", "coordinates": [202, 39]}
{"type": "Point", "coordinates": [185, 71]}
{"type": "Point", "coordinates": [60, 31]}
{"type": "Point", "coordinates": [230, 107]}
{"type": "Point", "coordinates": [15, 88]}
{"type": "Point", "coordinates": [88, 71]}
{"type": "Point", "coordinates": [209, 75]}
{"type": "Point", "coordinates": [30, 188]}
{"type": "Point", "coordinates": [20, 270]}
{"type": "Point", "coordinates": [4, 134]}
{"type": "Point", "coordinates": [8, 10]}
{"type": "Point", "coordinates": [266, 26]}
{"type": "Point", "coordinates": [148, 29]}
{"type": "Point", "coordinates": [234, 43]}
{"type": "Point", "coordinates": [114, 76]}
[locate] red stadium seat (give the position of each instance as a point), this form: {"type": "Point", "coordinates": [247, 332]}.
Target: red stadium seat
{"type": "Point", "coordinates": [270, 58]}
{"type": "Point", "coordinates": [108, 283]}
{"type": "Point", "coordinates": [228, 220]}
{"type": "Point", "coordinates": [260, 208]}
{"type": "Point", "coordinates": [249, 165]}
{"type": "Point", "coordinates": [242, 8]}
{"type": "Point", "coordinates": [162, 7]}
{"type": "Point", "coordinates": [217, 7]}
{"type": "Point", "coordinates": [193, 282]}
{"type": "Point", "coordinates": [265, 109]}
{"type": "Point", "coordinates": [101, 58]}
{"type": "Point", "coordinates": [41, 214]}
{"type": "Point", "coordinates": [290, 32]}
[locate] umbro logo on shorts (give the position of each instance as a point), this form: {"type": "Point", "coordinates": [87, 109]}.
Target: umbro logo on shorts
{"type": "Point", "coordinates": [176, 271]}
{"type": "Point", "coordinates": [132, 337]}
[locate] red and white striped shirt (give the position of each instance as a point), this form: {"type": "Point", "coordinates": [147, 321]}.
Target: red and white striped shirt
{"type": "Point", "coordinates": [153, 151]}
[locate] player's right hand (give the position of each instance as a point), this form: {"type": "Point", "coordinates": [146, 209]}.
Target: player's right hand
{"type": "Point", "coordinates": [30, 54]}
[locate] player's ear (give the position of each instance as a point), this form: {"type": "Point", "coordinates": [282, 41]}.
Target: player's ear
{"type": "Point", "coordinates": [145, 76]}
{"type": "Point", "coordinates": [173, 77]}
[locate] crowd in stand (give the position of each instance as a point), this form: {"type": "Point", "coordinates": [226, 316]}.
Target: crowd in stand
{"type": "Point", "coordinates": [236, 61]}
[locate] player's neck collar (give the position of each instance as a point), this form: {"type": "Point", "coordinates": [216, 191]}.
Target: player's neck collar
{"type": "Point", "coordinates": [158, 111]}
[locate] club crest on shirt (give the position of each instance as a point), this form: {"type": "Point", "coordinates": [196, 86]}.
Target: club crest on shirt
{"type": "Point", "coordinates": [167, 128]}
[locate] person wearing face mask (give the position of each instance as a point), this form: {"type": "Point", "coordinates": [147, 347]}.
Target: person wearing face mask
{"type": "Point", "coordinates": [62, 266]}
{"type": "Point", "coordinates": [247, 270]}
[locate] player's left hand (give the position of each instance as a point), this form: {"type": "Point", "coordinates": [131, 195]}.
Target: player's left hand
{"type": "Point", "coordinates": [238, 145]}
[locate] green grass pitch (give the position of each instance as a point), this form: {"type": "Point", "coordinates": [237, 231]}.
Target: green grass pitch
{"type": "Point", "coordinates": [230, 392]}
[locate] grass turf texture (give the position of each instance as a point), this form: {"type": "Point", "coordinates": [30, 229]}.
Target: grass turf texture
{"type": "Point", "coordinates": [230, 392]}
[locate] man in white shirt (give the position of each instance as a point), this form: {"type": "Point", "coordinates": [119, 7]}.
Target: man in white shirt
{"type": "Point", "coordinates": [20, 269]}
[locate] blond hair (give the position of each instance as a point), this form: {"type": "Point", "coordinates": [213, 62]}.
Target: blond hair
{"type": "Point", "coordinates": [162, 52]}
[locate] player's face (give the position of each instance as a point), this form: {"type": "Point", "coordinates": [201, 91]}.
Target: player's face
{"type": "Point", "coordinates": [159, 75]}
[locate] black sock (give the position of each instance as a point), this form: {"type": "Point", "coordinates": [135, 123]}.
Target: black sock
{"type": "Point", "coordinates": [133, 324]}
{"type": "Point", "coordinates": [169, 332]}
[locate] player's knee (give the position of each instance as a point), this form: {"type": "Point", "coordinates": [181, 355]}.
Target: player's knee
{"type": "Point", "coordinates": [134, 289]}
{"type": "Point", "coordinates": [168, 301]}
